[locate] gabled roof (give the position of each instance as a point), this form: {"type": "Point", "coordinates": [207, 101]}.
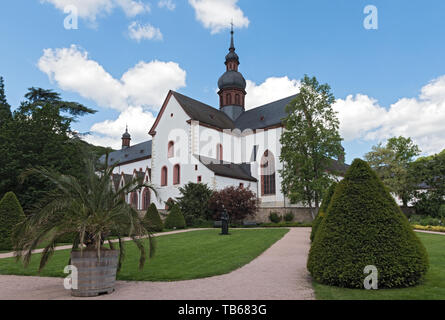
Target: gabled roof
{"type": "Point", "coordinates": [202, 112]}
{"type": "Point", "coordinates": [116, 180]}
{"type": "Point", "coordinates": [265, 116]}
{"type": "Point", "coordinates": [229, 170]}
{"type": "Point", "coordinates": [134, 153]}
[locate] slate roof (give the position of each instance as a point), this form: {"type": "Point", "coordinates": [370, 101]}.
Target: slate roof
{"type": "Point", "coordinates": [204, 113]}
{"type": "Point", "coordinates": [116, 180]}
{"type": "Point", "coordinates": [268, 115]}
{"type": "Point", "coordinates": [229, 170]}
{"type": "Point", "coordinates": [338, 167]}
{"type": "Point", "coordinates": [133, 153]}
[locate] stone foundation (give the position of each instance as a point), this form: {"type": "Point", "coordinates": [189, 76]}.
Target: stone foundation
{"type": "Point", "coordinates": [302, 215]}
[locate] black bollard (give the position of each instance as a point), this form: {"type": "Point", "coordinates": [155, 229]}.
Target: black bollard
{"type": "Point", "coordinates": [224, 222]}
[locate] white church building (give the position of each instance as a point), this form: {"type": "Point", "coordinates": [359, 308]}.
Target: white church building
{"type": "Point", "coordinates": [226, 146]}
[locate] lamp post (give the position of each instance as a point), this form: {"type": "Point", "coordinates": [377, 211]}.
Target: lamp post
{"type": "Point", "coordinates": [224, 222]}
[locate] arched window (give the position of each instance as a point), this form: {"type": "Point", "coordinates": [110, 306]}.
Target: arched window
{"type": "Point", "coordinates": [134, 200]}
{"type": "Point", "coordinates": [237, 100]}
{"type": "Point", "coordinates": [268, 174]}
{"type": "Point", "coordinates": [177, 174]}
{"type": "Point", "coordinates": [229, 99]}
{"type": "Point", "coordinates": [164, 176]}
{"type": "Point", "coordinates": [145, 199]}
{"type": "Point", "coordinates": [219, 152]}
{"type": "Point", "coordinates": [171, 149]}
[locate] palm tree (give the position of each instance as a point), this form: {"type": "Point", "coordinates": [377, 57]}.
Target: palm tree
{"type": "Point", "coordinates": [92, 212]}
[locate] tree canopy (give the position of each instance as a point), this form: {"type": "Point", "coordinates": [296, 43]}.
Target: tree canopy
{"type": "Point", "coordinates": [39, 134]}
{"type": "Point", "coordinates": [310, 141]}
{"type": "Point", "coordinates": [391, 163]}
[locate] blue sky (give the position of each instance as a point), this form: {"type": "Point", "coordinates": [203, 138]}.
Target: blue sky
{"type": "Point", "coordinates": [394, 75]}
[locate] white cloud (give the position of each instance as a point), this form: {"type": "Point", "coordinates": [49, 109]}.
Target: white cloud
{"type": "Point", "coordinates": [216, 15]}
{"type": "Point", "coordinates": [362, 118]}
{"type": "Point", "coordinates": [90, 9]}
{"type": "Point", "coordinates": [139, 32]}
{"type": "Point", "coordinates": [108, 133]}
{"type": "Point", "coordinates": [146, 84]}
{"type": "Point", "coordinates": [420, 118]}
{"type": "Point", "coordinates": [168, 4]}
{"type": "Point", "coordinates": [270, 90]}
{"type": "Point", "coordinates": [140, 90]}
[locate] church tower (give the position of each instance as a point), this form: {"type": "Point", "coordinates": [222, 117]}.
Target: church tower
{"type": "Point", "coordinates": [126, 138]}
{"type": "Point", "coordinates": [232, 85]}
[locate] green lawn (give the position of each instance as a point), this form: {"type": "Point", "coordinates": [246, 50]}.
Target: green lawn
{"type": "Point", "coordinates": [433, 287]}
{"type": "Point", "coordinates": [184, 256]}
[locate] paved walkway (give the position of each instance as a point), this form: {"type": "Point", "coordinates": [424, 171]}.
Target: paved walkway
{"type": "Point", "coordinates": [279, 273]}
{"type": "Point", "coordinates": [430, 232]}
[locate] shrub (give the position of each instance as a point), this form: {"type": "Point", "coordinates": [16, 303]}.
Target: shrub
{"type": "Point", "coordinates": [364, 226]}
{"type": "Point", "coordinates": [274, 217]}
{"type": "Point", "coordinates": [152, 220]}
{"type": "Point", "coordinates": [424, 220]}
{"type": "Point", "coordinates": [11, 214]}
{"type": "Point", "coordinates": [194, 203]}
{"type": "Point", "coordinates": [240, 203]}
{"type": "Point", "coordinates": [289, 217]}
{"type": "Point", "coordinates": [323, 208]}
{"type": "Point", "coordinates": [175, 219]}
{"type": "Point", "coordinates": [430, 228]}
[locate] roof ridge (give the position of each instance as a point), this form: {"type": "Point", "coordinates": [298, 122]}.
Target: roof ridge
{"type": "Point", "coordinates": [272, 102]}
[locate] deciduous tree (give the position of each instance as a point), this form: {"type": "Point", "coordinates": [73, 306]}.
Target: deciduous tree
{"type": "Point", "coordinates": [310, 141]}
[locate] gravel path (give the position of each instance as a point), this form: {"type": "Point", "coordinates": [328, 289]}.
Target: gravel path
{"type": "Point", "coordinates": [430, 232]}
{"type": "Point", "coordinates": [279, 273]}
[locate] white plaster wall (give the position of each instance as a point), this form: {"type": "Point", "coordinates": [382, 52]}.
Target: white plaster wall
{"type": "Point", "coordinates": [129, 168]}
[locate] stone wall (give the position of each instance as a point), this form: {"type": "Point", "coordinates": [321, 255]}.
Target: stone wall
{"type": "Point", "coordinates": [301, 214]}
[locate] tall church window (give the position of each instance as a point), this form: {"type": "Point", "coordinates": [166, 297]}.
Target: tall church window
{"type": "Point", "coordinates": [171, 149]}
{"type": "Point", "coordinates": [134, 200]}
{"type": "Point", "coordinates": [164, 176]}
{"type": "Point", "coordinates": [229, 99]}
{"type": "Point", "coordinates": [177, 174]}
{"type": "Point", "coordinates": [268, 174]}
{"type": "Point", "coordinates": [145, 199]}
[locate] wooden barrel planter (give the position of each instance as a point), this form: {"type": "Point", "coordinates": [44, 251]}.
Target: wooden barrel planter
{"type": "Point", "coordinates": [96, 275]}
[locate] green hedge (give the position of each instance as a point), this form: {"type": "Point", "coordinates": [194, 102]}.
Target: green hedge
{"type": "Point", "coordinates": [175, 219]}
{"type": "Point", "coordinates": [152, 220]}
{"type": "Point", "coordinates": [364, 226]}
{"type": "Point", "coordinates": [11, 213]}
{"type": "Point", "coordinates": [323, 208]}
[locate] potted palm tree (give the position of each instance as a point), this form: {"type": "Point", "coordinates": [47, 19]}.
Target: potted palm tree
{"type": "Point", "coordinates": [95, 215]}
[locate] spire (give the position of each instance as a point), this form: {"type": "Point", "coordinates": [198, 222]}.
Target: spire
{"type": "Point", "coordinates": [232, 85]}
{"type": "Point", "coordinates": [232, 45]}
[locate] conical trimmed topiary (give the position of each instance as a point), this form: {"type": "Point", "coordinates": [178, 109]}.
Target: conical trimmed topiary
{"type": "Point", "coordinates": [152, 220]}
{"type": "Point", "coordinates": [364, 226]}
{"type": "Point", "coordinates": [175, 219]}
{"type": "Point", "coordinates": [323, 208]}
{"type": "Point", "coordinates": [11, 214]}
